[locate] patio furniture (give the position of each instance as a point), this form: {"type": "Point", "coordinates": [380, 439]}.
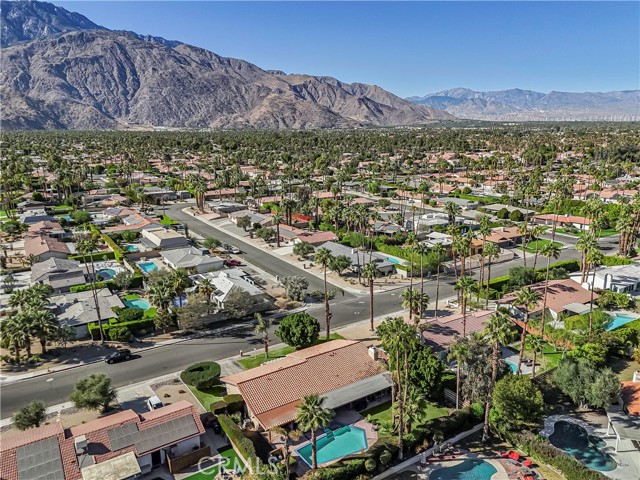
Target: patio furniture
{"type": "Point", "coordinates": [527, 463]}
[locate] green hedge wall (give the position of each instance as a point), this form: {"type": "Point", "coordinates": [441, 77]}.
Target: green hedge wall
{"type": "Point", "coordinates": [96, 256]}
{"type": "Point", "coordinates": [117, 251]}
{"type": "Point", "coordinates": [243, 445]}
{"type": "Point", "coordinates": [87, 286]}
{"type": "Point", "coordinates": [134, 326]}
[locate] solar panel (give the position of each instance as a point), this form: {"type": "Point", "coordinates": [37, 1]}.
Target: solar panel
{"type": "Point", "coordinates": [124, 436]}
{"type": "Point", "coordinates": [40, 461]}
{"type": "Point", "coordinates": [166, 433]}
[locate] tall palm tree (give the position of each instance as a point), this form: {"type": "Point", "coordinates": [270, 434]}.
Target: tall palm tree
{"type": "Point", "coordinates": [498, 332]}
{"type": "Point", "coordinates": [523, 230]}
{"type": "Point", "coordinates": [549, 250]}
{"type": "Point", "coordinates": [370, 272]}
{"type": "Point", "coordinates": [278, 218]}
{"type": "Point", "coordinates": [526, 298]}
{"type": "Point", "coordinates": [422, 249]}
{"type": "Point", "coordinates": [465, 286]}
{"type": "Point", "coordinates": [206, 288]}
{"type": "Point", "coordinates": [43, 325]}
{"type": "Point", "coordinates": [396, 337]}
{"type": "Point", "coordinates": [415, 303]}
{"type": "Point", "coordinates": [14, 333]}
{"type": "Point", "coordinates": [411, 243]}
{"type": "Point", "coordinates": [180, 281]}
{"type": "Point", "coordinates": [459, 350]}
{"type": "Point", "coordinates": [324, 257]}
{"type": "Point", "coordinates": [585, 243]}
{"type": "Point", "coordinates": [311, 416]}
{"type": "Point", "coordinates": [537, 345]}
{"type": "Point", "coordinates": [536, 233]}
{"type": "Point", "coordinates": [262, 329]}
{"type": "Point", "coordinates": [86, 245]}
{"type": "Point", "coordinates": [594, 258]}
{"type": "Point", "coordinates": [452, 210]}
{"type": "Point", "coordinates": [492, 252]}
{"type": "Point", "coordinates": [439, 252]}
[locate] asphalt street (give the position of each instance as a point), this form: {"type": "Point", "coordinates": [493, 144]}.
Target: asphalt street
{"type": "Point", "coordinates": [348, 308]}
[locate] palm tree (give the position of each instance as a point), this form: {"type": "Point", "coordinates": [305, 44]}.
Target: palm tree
{"type": "Point", "coordinates": [179, 280]}
{"type": "Point", "coordinates": [161, 295]}
{"type": "Point", "coordinates": [492, 252]}
{"type": "Point", "coordinates": [549, 250]}
{"type": "Point", "coordinates": [536, 233]}
{"type": "Point", "coordinates": [422, 250]}
{"type": "Point", "coordinates": [86, 245]}
{"type": "Point", "coordinates": [465, 286]}
{"type": "Point", "coordinates": [439, 252]}
{"type": "Point", "coordinates": [278, 219]}
{"type": "Point", "coordinates": [43, 325]}
{"type": "Point", "coordinates": [523, 230]}
{"type": "Point", "coordinates": [310, 417]}
{"type": "Point", "coordinates": [585, 243]}
{"type": "Point", "coordinates": [498, 332]}
{"type": "Point", "coordinates": [415, 303]}
{"type": "Point", "coordinates": [370, 272]}
{"type": "Point", "coordinates": [414, 408]}
{"type": "Point", "coordinates": [537, 345]}
{"type": "Point", "coordinates": [14, 333]}
{"type": "Point", "coordinates": [324, 257]}
{"type": "Point", "coordinates": [594, 258]}
{"type": "Point", "coordinates": [526, 298]}
{"type": "Point", "coordinates": [459, 350]}
{"type": "Point", "coordinates": [206, 288]}
{"type": "Point", "coordinates": [452, 210]}
{"type": "Point", "coordinates": [396, 336]}
{"type": "Point", "coordinates": [286, 435]}
{"type": "Point", "coordinates": [411, 243]}
{"type": "Point", "coordinates": [262, 328]}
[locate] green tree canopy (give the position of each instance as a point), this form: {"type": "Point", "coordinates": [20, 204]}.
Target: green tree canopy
{"type": "Point", "coordinates": [29, 416]}
{"type": "Point", "coordinates": [93, 392]}
{"type": "Point", "coordinates": [298, 330]}
{"type": "Point", "coordinates": [517, 403]}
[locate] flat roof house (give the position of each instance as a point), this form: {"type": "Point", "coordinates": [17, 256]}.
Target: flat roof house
{"type": "Point", "coordinates": [193, 259]}
{"type": "Point", "coordinates": [164, 238]}
{"type": "Point", "coordinates": [360, 258]}
{"type": "Point", "coordinates": [273, 391]}
{"type": "Point", "coordinates": [43, 247]}
{"type": "Point", "coordinates": [619, 279]}
{"type": "Point", "coordinates": [116, 447]}
{"type": "Point", "coordinates": [581, 223]}
{"type": "Point", "coordinates": [59, 274]}
{"type": "Point", "coordinates": [35, 216]}
{"type": "Point", "coordinates": [235, 279]}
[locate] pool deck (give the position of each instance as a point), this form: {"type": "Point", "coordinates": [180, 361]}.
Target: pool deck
{"type": "Point", "coordinates": [505, 469]}
{"type": "Point", "coordinates": [509, 356]}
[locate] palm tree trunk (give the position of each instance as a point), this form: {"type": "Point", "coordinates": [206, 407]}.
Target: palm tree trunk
{"type": "Point", "coordinates": [16, 351]}
{"type": "Point", "coordinates": [486, 303]}
{"type": "Point", "coordinates": [265, 340]}
{"type": "Point", "coordinates": [435, 314]}
{"type": "Point", "coordinates": [591, 305]}
{"type": "Point", "coordinates": [523, 336]}
{"type": "Point", "coordinates": [421, 284]}
{"type": "Point", "coordinates": [411, 286]}
{"type": "Point", "coordinates": [278, 234]}
{"type": "Point", "coordinates": [371, 303]}
{"type": "Point", "coordinates": [43, 344]}
{"type": "Point", "coordinates": [458, 384]}
{"type": "Point", "coordinates": [327, 315]}
{"type": "Point", "coordinates": [544, 298]}
{"type": "Point", "coordinates": [494, 376]}
{"type": "Point", "coordinates": [314, 460]}
{"type": "Point", "coordinates": [533, 371]}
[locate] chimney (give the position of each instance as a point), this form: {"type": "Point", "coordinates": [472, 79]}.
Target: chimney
{"type": "Point", "coordinates": [81, 444]}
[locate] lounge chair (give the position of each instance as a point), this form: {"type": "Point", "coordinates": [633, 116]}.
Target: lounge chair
{"type": "Point", "coordinates": [514, 456]}
{"type": "Point", "coordinates": [526, 463]}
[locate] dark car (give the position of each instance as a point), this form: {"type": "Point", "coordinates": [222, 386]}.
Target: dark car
{"type": "Point", "coordinates": [232, 263]}
{"type": "Point", "coordinates": [118, 356]}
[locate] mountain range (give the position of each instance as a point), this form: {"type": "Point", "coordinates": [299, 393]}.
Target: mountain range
{"type": "Point", "coordinates": [60, 70]}
{"type": "Point", "coordinates": [527, 105]}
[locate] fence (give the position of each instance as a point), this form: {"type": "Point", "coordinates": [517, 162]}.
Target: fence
{"type": "Point", "coordinates": [450, 397]}
{"type": "Point", "coordinates": [188, 459]}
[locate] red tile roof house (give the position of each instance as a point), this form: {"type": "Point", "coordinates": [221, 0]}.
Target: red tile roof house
{"type": "Point", "coordinates": [581, 223]}
{"type": "Point", "coordinates": [443, 331]}
{"type": "Point", "coordinates": [52, 452]}
{"type": "Point", "coordinates": [342, 371]}
{"type": "Point", "coordinates": [43, 247]}
{"type": "Point", "coordinates": [316, 238]}
{"type": "Point", "coordinates": [562, 296]}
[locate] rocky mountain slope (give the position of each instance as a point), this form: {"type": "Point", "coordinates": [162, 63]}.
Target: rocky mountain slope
{"type": "Point", "coordinates": [523, 105]}
{"type": "Point", "coordinates": [93, 78]}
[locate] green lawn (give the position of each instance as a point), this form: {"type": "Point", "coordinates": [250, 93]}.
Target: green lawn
{"type": "Point", "coordinates": [540, 243]}
{"type": "Point", "coordinates": [151, 312]}
{"type": "Point", "coordinates": [168, 221]}
{"type": "Point", "coordinates": [382, 413]}
{"type": "Point", "coordinates": [131, 296]}
{"type": "Point", "coordinates": [608, 232]}
{"type": "Point", "coordinates": [208, 396]}
{"type": "Point", "coordinates": [232, 461]}
{"type": "Point", "coordinates": [550, 360]}
{"type": "Point", "coordinates": [257, 360]}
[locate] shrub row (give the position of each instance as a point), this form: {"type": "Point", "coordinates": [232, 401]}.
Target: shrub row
{"type": "Point", "coordinates": [243, 445]}
{"type": "Point", "coordinates": [117, 251]}
{"type": "Point", "coordinates": [229, 403]}
{"type": "Point", "coordinates": [87, 286]}
{"type": "Point", "coordinates": [498, 283]}
{"type": "Point", "coordinates": [544, 452]}
{"type": "Point", "coordinates": [96, 256]}
{"type": "Point", "coordinates": [135, 326]}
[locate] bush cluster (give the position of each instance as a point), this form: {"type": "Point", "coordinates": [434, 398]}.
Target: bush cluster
{"type": "Point", "coordinates": [118, 253]}
{"type": "Point", "coordinates": [202, 375]}
{"type": "Point", "coordinates": [136, 326]}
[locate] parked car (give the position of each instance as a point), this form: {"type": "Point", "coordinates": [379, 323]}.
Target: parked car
{"type": "Point", "coordinates": [233, 249]}
{"type": "Point", "coordinates": [154, 403]}
{"type": "Point", "coordinates": [232, 262]}
{"type": "Point", "coordinates": [118, 356]}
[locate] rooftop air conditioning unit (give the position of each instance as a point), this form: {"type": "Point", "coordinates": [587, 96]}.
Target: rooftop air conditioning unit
{"type": "Point", "coordinates": [81, 444]}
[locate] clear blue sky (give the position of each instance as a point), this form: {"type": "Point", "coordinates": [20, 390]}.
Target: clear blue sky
{"type": "Point", "coordinates": [409, 48]}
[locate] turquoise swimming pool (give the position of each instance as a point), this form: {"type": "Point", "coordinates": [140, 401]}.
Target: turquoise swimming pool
{"type": "Point", "coordinates": [148, 267]}
{"type": "Point", "coordinates": [131, 248]}
{"type": "Point", "coordinates": [618, 320]}
{"type": "Point", "coordinates": [469, 469]}
{"type": "Point", "coordinates": [335, 444]}
{"type": "Point", "coordinates": [587, 449]}
{"type": "Point", "coordinates": [140, 303]}
{"type": "Point", "coordinates": [107, 273]}
{"type": "Point", "coordinates": [512, 366]}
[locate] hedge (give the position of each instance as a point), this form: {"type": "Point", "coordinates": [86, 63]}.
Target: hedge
{"type": "Point", "coordinates": [201, 375]}
{"type": "Point", "coordinates": [117, 251]}
{"type": "Point", "coordinates": [130, 314]}
{"type": "Point", "coordinates": [243, 445]}
{"type": "Point", "coordinates": [96, 256]}
{"type": "Point", "coordinates": [135, 326]}
{"type": "Point", "coordinates": [545, 452]}
{"type": "Point", "coordinates": [570, 266]}
{"type": "Point", "coordinates": [87, 286]}
{"type": "Point", "coordinates": [234, 402]}
{"type": "Point", "coordinates": [218, 407]}
{"type": "Point", "coordinates": [613, 261]}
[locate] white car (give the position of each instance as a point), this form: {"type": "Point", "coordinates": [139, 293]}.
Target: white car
{"type": "Point", "coordinates": [153, 403]}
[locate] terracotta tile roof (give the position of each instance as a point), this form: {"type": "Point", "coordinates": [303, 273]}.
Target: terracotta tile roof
{"type": "Point", "coordinates": [317, 237]}
{"type": "Point", "coordinates": [442, 332]}
{"type": "Point", "coordinates": [44, 244]}
{"type": "Point", "coordinates": [272, 391]}
{"type": "Point", "coordinates": [564, 218]}
{"type": "Point", "coordinates": [630, 394]}
{"type": "Point", "coordinates": [31, 435]}
{"type": "Point", "coordinates": [103, 423]}
{"type": "Point", "coordinates": [559, 294]}
{"type": "Point", "coordinates": [500, 235]}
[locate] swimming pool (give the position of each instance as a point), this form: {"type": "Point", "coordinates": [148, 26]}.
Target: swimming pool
{"type": "Point", "coordinates": [512, 366]}
{"type": "Point", "coordinates": [587, 449]}
{"type": "Point", "coordinates": [140, 303]}
{"type": "Point", "coordinates": [335, 444]}
{"type": "Point", "coordinates": [132, 248]}
{"type": "Point", "coordinates": [469, 469]}
{"type": "Point", "coordinates": [148, 267]}
{"type": "Point", "coordinates": [619, 320]}
{"type": "Point", "coordinates": [107, 273]}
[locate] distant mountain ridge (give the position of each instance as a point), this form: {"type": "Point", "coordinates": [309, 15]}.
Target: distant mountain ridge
{"type": "Point", "coordinates": [526, 105]}
{"type": "Point", "coordinates": [62, 71]}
